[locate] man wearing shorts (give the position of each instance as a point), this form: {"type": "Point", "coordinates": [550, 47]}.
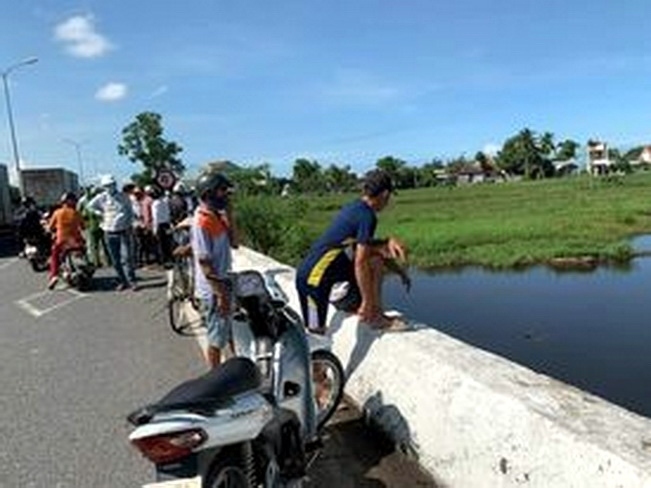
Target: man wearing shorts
{"type": "Point", "coordinates": [349, 252]}
{"type": "Point", "coordinates": [211, 249]}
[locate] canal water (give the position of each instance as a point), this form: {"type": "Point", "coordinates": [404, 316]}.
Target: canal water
{"type": "Point", "coordinates": [589, 329]}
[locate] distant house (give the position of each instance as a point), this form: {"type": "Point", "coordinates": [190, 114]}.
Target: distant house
{"type": "Point", "coordinates": [598, 161]}
{"type": "Point", "coordinates": [475, 173]}
{"type": "Point", "coordinates": [470, 174]}
{"type": "Point", "coordinates": [645, 156]}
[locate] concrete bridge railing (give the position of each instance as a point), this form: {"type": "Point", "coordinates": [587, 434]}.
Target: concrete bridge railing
{"type": "Point", "coordinates": [474, 419]}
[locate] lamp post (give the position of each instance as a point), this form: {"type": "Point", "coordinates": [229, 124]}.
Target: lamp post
{"type": "Point", "coordinates": [77, 145]}
{"type": "Point", "coordinates": [12, 129]}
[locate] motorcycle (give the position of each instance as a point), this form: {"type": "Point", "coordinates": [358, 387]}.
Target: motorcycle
{"type": "Point", "coordinates": [75, 268]}
{"type": "Point", "coordinates": [254, 420]}
{"type": "Point", "coordinates": [37, 253]}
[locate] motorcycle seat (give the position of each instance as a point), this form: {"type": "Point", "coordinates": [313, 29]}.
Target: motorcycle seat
{"type": "Point", "coordinates": [204, 394]}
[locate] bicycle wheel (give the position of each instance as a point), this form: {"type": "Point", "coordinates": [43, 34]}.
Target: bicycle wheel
{"type": "Point", "coordinates": [176, 314]}
{"type": "Point", "coordinates": [190, 286]}
{"type": "Point", "coordinates": [328, 379]}
{"type": "Point", "coordinates": [180, 280]}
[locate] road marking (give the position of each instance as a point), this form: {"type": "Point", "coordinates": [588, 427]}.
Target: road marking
{"type": "Point", "coordinates": [36, 311]}
{"type": "Point", "coordinates": [8, 263]}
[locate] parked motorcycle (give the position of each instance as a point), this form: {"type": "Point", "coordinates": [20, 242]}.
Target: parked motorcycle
{"type": "Point", "coordinates": [253, 421]}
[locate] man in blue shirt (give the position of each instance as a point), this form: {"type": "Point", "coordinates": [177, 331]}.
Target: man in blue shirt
{"type": "Point", "coordinates": [349, 252]}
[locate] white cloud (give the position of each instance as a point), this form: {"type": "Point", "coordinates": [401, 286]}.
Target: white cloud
{"type": "Point", "coordinates": [80, 37]}
{"type": "Point", "coordinates": [111, 92]}
{"type": "Point", "coordinates": [161, 90]}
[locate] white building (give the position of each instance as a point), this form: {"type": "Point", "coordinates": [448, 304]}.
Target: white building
{"type": "Point", "coordinates": [598, 161]}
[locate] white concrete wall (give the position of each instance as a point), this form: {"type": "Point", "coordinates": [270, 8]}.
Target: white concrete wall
{"type": "Point", "coordinates": [474, 419]}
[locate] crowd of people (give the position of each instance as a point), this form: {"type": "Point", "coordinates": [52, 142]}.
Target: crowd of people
{"type": "Point", "coordinates": [130, 227]}
{"type": "Point", "coordinates": [126, 228]}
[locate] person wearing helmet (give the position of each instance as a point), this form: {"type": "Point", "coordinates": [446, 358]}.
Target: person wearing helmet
{"type": "Point", "coordinates": [67, 226]}
{"type": "Point", "coordinates": [162, 227]}
{"type": "Point", "coordinates": [178, 203]}
{"type": "Point", "coordinates": [114, 208]}
{"type": "Point", "coordinates": [30, 228]}
{"type": "Point", "coordinates": [211, 250]}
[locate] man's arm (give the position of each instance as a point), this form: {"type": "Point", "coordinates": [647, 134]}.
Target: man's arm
{"type": "Point", "coordinates": [96, 205]}
{"type": "Point", "coordinates": [53, 222]}
{"type": "Point", "coordinates": [363, 273]}
{"type": "Point", "coordinates": [217, 284]}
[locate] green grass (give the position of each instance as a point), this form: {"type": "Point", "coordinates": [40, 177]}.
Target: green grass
{"type": "Point", "coordinates": [509, 224]}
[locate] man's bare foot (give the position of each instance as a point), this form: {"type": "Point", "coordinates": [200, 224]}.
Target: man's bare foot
{"type": "Point", "coordinates": [393, 323]}
{"type": "Point", "coordinates": [379, 322]}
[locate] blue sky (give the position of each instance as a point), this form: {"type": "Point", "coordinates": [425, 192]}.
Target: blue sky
{"type": "Point", "coordinates": [343, 82]}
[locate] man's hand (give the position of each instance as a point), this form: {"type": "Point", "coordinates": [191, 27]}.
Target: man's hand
{"type": "Point", "coordinates": [223, 304]}
{"type": "Point", "coordinates": [397, 249]}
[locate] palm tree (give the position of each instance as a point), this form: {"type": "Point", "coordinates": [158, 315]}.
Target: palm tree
{"type": "Point", "coordinates": [547, 146]}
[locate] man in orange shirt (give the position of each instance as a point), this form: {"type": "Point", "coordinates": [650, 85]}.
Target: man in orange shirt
{"type": "Point", "coordinates": [66, 224]}
{"type": "Point", "coordinates": [211, 249]}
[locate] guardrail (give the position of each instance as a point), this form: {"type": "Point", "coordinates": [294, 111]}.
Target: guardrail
{"type": "Point", "coordinates": [474, 419]}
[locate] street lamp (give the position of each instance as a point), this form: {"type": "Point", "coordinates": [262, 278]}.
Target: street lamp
{"type": "Point", "coordinates": [12, 129]}
{"type": "Point", "coordinates": [77, 145]}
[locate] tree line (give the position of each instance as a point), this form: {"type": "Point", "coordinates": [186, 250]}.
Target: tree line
{"type": "Point", "coordinates": [527, 154]}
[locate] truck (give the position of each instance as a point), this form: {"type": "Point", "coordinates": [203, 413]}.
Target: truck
{"type": "Point", "coordinates": [47, 185]}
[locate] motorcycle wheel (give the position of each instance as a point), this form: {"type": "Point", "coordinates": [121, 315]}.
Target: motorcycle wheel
{"type": "Point", "coordinates": [272, 475]}
{"type": "Point", "coordinates": [227, 472]}
{"type": "Point", "coordinates": [83, 283]}
{"type": "Point", "coordinates": [328, 378]}
{"type": "Point", "coordinates": [38, 265]}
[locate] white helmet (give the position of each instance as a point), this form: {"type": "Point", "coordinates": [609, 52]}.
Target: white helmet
{"type": "Point", "coordinates": [107, 180]}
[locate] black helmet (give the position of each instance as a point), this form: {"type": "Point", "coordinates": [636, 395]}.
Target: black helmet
{"type": "Point", "coordinates": [212, 181]}
{"type": "Point", "coordinates": [68, 197]}
{"type": "Point", "coordinates": [27, 200]}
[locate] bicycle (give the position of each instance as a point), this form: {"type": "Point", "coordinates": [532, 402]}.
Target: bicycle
{"type": "Point", "coordinates": [181, 287]}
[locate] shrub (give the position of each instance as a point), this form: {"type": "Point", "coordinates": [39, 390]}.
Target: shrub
{"type": "Point", "coordinates": [271, 225]}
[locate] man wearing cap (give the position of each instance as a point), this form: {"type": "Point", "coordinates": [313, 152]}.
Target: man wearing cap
{"type": "Point", "coordinates": [115, 210]}
{"type": "Point", "coordinates": [349, 252]}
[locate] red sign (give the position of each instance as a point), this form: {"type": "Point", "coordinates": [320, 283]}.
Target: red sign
{"type": "Point", "coordinates": [166, 179]}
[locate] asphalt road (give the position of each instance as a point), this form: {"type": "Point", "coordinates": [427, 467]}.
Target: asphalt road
{"type": "Point", "coordinates": [74, 365]}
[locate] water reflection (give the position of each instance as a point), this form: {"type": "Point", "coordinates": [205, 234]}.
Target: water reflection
{"type": "Point", "coordinates": [592, 330]}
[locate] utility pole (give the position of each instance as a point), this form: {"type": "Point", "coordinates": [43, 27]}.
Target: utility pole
{"type": "Point", "coordinates": [12, 128]}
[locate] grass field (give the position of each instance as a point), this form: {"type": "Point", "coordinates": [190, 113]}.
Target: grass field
{"type": "Point", "coordinates": [510, 224]}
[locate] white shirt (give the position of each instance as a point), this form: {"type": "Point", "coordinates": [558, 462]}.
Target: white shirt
{"type": "Point", "coordinates": [160, 212]}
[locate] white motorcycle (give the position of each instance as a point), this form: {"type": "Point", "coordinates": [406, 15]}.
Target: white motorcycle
{"type": "Point", "coordinates": [37, 254]}
{"type": "Point", "coordinates": [253, 421]}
